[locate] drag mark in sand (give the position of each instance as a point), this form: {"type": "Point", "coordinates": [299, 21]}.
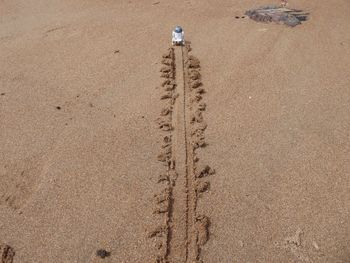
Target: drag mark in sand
{"type": "Point", "coordinates": [183, 232]}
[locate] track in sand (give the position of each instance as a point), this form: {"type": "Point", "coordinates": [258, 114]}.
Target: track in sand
{"type": "Point", "coordinates": [183, 232]}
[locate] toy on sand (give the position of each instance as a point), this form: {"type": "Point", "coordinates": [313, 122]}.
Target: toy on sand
{"type": "Point", "coordinates": [178, 36]}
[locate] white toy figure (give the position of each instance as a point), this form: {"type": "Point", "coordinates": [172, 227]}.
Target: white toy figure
{"type": "Point", "coordinates": [178, 36]}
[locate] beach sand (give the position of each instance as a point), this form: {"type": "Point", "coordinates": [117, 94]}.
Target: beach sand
{"type": "Point", "coordinates": [79, 139]}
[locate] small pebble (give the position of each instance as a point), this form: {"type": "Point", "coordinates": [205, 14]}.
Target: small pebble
{"type": "Point", "coordinates": [103, 253]}
{"type": "Point", "coordinates": [315, 245]}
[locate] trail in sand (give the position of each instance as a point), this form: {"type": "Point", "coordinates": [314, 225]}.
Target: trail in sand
{"type": "Point", "coordinates": [185, 231]}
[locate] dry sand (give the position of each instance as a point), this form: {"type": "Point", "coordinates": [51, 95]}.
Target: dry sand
{"type": "Point", "coordinates": [79, 141]}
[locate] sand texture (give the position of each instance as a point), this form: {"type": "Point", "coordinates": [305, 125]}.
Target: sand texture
{"type": "Point", "coordinates": [117, 147]}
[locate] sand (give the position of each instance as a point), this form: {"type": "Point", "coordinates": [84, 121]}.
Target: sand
{"type": "Point", "coordinates": [256, 162]}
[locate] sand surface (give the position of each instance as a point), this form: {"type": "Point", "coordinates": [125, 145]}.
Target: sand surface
{"type": "Point", "coordinates": [80, 95]}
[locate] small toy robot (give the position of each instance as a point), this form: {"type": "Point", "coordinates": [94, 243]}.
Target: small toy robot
{"type": "Point", "coordinates": [178, 36]}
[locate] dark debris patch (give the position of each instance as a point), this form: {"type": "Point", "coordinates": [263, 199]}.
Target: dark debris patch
{"type": "Point", "coordinates": [58, 107]}
{"type": "Point", "coordinates": [278, 14]}
{"type": "Point", "coordinates": [7, 253]}
{"type": "Point", "coordinates": [3, 94]}
{"type": "Point", "coordinates": [102, 253]}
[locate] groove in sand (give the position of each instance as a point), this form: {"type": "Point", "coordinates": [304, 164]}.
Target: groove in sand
{"type": "Point", "coordinates": [184, 232]}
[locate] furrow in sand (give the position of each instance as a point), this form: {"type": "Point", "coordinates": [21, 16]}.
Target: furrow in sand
{"type": "Point", "coordinates": [178, 236]}
{"type": "Point", "coordinates": [183, 243]}
{"type": "Point", "coordinates": [191, 199]}
{"type": "Point", "coordinates": [184, 232]}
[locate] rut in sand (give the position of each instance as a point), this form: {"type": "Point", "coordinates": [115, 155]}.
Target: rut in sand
{"type": "Point", "coordinates": [183, 232]}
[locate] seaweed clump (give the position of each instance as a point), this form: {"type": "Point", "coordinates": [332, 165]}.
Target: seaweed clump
{"type": "Point", "coordinates": [277, 14]}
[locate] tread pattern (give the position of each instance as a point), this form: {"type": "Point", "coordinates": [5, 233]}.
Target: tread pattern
{"type": "Point", "coordinates": [183, 232]}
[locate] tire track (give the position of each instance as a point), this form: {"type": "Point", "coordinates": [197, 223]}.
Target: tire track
{"type": "Point", "coordinates": [192, 252]}
{"type": "Point", "coordinates": [183, 232]}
